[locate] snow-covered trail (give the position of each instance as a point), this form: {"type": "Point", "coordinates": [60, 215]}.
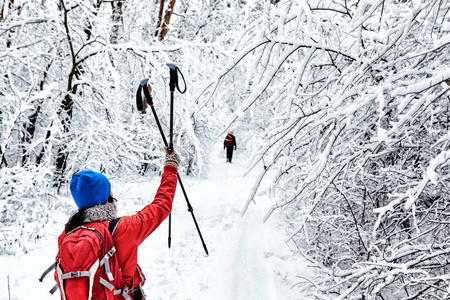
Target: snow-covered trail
{"type": "Point", "coordinates": [248, 259]}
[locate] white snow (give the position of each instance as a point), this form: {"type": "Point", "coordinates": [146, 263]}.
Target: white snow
{"type": "Point", "coordinates": [248, 259]}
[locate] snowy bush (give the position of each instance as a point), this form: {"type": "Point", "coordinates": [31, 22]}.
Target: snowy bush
{"type": "Point", "coordinates": [25, 206]}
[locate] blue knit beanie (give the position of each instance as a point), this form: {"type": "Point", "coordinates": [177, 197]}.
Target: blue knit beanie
{"type": "Point", "coordinates": [89, 188]}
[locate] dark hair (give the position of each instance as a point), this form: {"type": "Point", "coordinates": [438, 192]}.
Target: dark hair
{"type": "Point", "coordinates": [78, 218]}
{"type": "Point", "coordinates": [111, 199]}
{"type": "Point", "coordinates": [75, 220]}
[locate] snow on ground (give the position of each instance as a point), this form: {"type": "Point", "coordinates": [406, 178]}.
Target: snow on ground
{"type": "Point", "coordinates": [248, 259]}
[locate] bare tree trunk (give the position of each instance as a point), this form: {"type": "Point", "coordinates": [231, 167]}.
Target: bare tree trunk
{"type": "Point", "coordinates": [65, 112]}
{"type": "Point", "coordinates": [3, 160]}
{"type": "Point", "coordinates": [30, 126]}
{"type": "Point", "coordinates": [160, 16]}
{"type": "Point", "coordinates": [116, 20]}
{"type": "Point", "coordinates": [9, 6]}
{"type": "Point", "coordinates": [2, 12]}
{"type": "Point", "coordinates": [164, 22]}
{"type": "Point", "coordinates": [88, 29]}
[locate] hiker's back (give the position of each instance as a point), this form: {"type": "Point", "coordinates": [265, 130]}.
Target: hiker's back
{"type": "Point", "coordinates": [229, 140]}
{"type": "Point", "coordinates": [86, 265]}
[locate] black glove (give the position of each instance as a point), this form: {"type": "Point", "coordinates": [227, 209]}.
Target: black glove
{"type": "Point", "coordinates": [172, 159]}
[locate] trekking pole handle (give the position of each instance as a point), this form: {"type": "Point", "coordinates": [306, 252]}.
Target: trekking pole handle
{"type": "Point", "coordinates": [174, 71]}
{"type": "Point", "coordinates": [173, 77]}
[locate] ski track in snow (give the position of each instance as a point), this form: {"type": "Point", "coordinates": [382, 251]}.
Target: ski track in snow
{"type": "Point", "coordinates": [248, 259]}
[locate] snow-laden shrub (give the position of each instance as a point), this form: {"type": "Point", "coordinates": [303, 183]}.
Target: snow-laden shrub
{"type": "Point", "coordinates": [25, 206]}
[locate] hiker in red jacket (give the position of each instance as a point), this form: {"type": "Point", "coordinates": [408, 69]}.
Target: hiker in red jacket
{"type": "Point", "coordinates": [229, 143]}
{"type": "Point", "coordinates": [92, 194]}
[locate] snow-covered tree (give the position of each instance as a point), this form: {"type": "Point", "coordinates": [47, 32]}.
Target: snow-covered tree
{"type": "Point", "coordinates": [353, 98]}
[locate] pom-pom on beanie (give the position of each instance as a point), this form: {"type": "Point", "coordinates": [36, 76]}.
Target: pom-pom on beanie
{"type": "Point", "coordinates": [89, 188]}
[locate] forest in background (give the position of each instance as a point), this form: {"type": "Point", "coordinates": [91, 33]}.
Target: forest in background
{"type": "Point", "coordinates": [342, 105]}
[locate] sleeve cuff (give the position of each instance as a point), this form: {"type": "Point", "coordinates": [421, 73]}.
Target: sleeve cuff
{"type": "Point", "coordinates": [170, 169]}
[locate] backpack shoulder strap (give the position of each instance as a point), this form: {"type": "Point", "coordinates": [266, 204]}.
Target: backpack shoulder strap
{"type": "Point", "coordinates": [113, 225]}
{"type": "Point", "coordinates": [52, 267]}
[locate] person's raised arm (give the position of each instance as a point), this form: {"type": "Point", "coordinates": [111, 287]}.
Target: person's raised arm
{"type": "Point", "coordinates": [142, 224]}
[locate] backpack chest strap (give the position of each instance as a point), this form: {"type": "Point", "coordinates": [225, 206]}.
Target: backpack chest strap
{"type": "Point", "coordinates": [75, 274]}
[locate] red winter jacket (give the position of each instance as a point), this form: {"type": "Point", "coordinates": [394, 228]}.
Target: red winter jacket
{"type": "Point", "coordinates": [230, 140]}
{"type": "Point", "coordinates": [131, 231]}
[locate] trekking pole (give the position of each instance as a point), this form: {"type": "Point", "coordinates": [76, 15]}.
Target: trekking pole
{"type": "Point", "coordinates": [140, 106]}
{"type": "Point", "coordinates": [172, 84]}
{"type": "Point", "coordinates": [149, 99]}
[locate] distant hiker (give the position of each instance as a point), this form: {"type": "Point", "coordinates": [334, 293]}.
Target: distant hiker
{"type": "Point", "coordinates": [229, 143]}
{"type": "Point", "coordinates": [91, 265]}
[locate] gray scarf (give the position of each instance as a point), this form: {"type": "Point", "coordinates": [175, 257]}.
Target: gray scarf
{"type": "Point", "coordinates": [104, 212]}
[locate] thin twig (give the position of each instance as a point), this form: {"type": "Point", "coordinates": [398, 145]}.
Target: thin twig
{"type": "Point", "coordinates": [9, 290]}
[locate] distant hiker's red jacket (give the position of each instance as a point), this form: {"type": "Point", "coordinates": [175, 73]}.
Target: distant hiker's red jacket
{"type": "Point", "coordinates": [230, 140]}
{"type": "Point", "coordinates": [132, 230]}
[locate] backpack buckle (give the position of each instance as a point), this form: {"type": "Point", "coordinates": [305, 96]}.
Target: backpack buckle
{"type": "Point", "coordinates": [74, 274]}
{"type": "Point", "coordinates": [111, 252]}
